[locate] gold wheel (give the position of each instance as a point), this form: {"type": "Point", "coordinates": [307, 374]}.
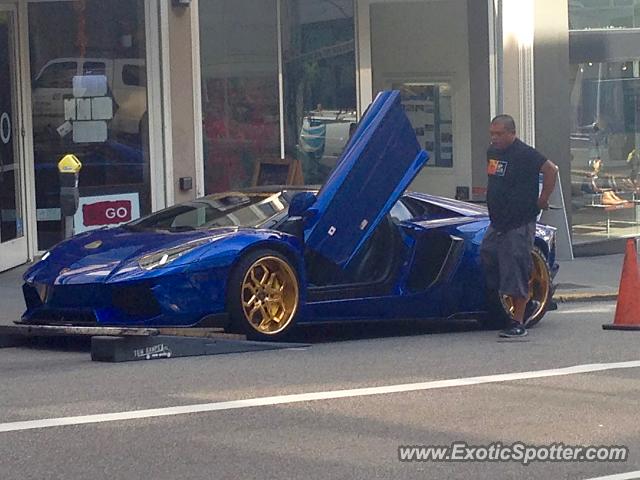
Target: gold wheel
{"type": "Point", "coordinates": [539, 288]}
{"type": "Point", "coordinates": [269, 295]}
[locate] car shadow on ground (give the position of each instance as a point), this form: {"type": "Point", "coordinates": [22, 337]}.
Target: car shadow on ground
{"type": "Point", "coordinates": [62, 344]}
{"type": "Point", "coordinates": [351, 331]}
{"type": "Point", "coordinates": [306, 334]}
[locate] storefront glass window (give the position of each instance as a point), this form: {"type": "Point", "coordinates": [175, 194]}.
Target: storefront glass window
{"type": "Point", "coordinates": [605, 122]}
{"type": "Point", "coordinates": [320, 83]}
{"type": "Point", "coordinates": [428, 106]}
{"type": "Point", "coordinates": [585, 14]}
{"type": "Point", "coordinates": [245, 143]}
{"type": "Point", "coordinates": [89, 97]}
{"type": "Point", "coordinates": [239, 62]}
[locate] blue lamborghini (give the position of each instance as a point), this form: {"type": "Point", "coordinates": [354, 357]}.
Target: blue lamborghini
{"type": "Point", "coordinates": [263, 260]}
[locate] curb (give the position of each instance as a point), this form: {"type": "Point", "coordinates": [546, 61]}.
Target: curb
{"type": "Point", "coordinates": [586, 297]}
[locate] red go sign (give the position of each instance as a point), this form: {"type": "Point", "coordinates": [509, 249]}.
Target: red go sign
{"type": "Point", "coordinates": [106, 213]}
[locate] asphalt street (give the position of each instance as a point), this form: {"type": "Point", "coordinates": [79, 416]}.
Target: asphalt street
{"type": "Point", "coordinates": [343, 435]}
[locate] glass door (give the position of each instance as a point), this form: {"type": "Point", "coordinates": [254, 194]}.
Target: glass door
{"type": "Point", "coordinates": [89, 98]}
{"type": "Point", "coordinates": [13, 242]}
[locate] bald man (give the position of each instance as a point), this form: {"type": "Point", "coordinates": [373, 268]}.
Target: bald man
{"type": "Point", "coordinates": [513, 169]}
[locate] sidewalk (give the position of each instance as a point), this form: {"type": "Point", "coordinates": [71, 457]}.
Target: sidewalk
{"type": "Point", "coordinates": [582, 279]}
{"type": "Point", "coordinates": [11, 301]}
{"type": "Point", "coordinates": [589, 278]}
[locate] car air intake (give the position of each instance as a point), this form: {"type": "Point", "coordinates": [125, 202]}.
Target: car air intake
{"type": "Point", "coordinates": [135, 301]}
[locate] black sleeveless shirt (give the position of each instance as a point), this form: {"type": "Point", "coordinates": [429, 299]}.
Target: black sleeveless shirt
{"type": "Point", "coordinates": [513, 186]}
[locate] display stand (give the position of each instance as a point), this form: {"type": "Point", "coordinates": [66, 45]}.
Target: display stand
{"type": "Point", "coordinates": [277, 171]}
{"type": "Point", "coordinates": [556, 216]}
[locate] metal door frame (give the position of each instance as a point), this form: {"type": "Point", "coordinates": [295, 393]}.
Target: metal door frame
{"type": "Point", "coordinates": [16, 252]}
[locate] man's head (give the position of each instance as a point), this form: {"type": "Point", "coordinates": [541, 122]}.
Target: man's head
{"type": "Point", "coordinates": [503, 131]}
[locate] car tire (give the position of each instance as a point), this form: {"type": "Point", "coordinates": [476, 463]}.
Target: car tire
{"type": "Point", "coordinates": [263, 297]}
{"type": "Point", "coordinates": [500, 307]}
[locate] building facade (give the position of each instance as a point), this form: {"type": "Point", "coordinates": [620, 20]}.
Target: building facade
{"type": "Point", "coordinates": [167, 100]}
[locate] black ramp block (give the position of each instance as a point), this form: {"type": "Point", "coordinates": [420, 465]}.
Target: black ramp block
{"type": "Point", "coordinates": [126, 349]}
{"type": "Point", "coordinates": [8, 341]}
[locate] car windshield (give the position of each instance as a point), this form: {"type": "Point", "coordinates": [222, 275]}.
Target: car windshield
{"type": "Point", "coordinates": [220, 210]}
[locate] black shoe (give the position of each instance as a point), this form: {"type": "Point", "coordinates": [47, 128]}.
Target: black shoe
{"type": "Point", "coordinates": [514, 331]}
{"type": "Point", "coordinates": [531, 308]}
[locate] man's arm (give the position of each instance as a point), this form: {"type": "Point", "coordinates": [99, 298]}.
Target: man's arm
{"type": "Point", "coordinates": [549, 172]}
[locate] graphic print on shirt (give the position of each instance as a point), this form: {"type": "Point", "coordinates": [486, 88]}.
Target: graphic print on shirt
{"type": "Point", "coordinates": [497, 167]}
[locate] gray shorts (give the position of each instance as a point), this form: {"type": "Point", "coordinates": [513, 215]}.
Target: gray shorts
{"type": "Point", "coordinates": [506, 258]}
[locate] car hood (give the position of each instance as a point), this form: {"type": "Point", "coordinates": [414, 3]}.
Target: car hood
{"type": "Point", "coordinates": [98, 255]}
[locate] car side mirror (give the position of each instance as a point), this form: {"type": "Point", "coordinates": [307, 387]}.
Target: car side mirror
{"type": "Point", "coordinates": [300, 203]}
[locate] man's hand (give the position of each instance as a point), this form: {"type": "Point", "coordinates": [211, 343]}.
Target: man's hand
{"type": "Point", "coordinates": [549, 172]}
{"type": "Point", "coordinates": [543, 203]}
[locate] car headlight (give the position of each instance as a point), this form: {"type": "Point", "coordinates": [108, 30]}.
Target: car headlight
{"type": "Point", "coordinates": [165, 257]}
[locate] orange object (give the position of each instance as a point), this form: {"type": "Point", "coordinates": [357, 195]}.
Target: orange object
{"type": "Point", "coordinates": [628, 307]}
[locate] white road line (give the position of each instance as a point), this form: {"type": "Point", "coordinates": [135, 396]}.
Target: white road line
{"type": "Point", "coordinates": [608, 309]}
{"type": "Point", "coordinates": [307, 397]}
{"type": "Point", "coordinates": [620, 476]}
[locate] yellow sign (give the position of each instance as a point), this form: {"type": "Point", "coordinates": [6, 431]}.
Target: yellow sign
{"type": "Point", "coordinates": [69, 164]}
